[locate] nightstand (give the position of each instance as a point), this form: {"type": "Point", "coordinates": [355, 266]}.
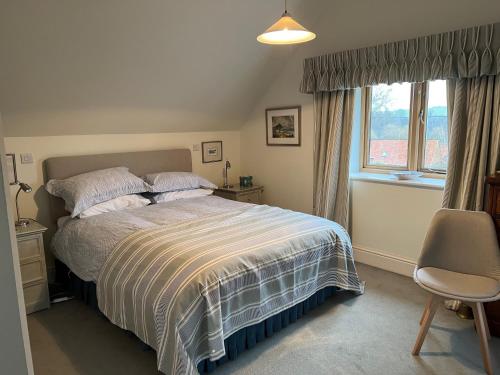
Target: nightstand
{"type": "Point", "coordinates": [250, 194]}
{"type": "Point", "coordinates": [33, 270]}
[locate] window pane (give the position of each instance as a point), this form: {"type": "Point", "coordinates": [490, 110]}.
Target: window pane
{"type": "Point", "coordinates": [436, 129]}
{"type": "Point", "coordinates": [389, 125]}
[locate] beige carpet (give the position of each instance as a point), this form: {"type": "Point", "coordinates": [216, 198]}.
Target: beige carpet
{"type": "Point", "coordinates": [369, 334]}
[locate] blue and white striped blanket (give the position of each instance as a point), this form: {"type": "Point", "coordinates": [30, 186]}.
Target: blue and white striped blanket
{"type": "Point", "coordinates": [184, 288]}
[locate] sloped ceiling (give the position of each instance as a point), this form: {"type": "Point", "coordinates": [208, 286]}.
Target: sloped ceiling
{"type": "Point", "coordinates": [134, 66]}
{"type": "Point", "coordinates": [126, 66]}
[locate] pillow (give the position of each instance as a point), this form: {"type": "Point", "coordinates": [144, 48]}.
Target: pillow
{"type": "Point", "coordinates": [181, 194]}
{"type": "Point", "coordinates": [88, 189]}
{"type": "Point", "coordinates": [116, 204]}
{"type": "Point", "coordinates": [172, 181]}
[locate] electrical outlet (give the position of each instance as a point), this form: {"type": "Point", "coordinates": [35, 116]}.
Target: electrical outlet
{"type": "Point", "coordinates": [196, 147]}
{"type": "Point", "coordinates": [26, 158]}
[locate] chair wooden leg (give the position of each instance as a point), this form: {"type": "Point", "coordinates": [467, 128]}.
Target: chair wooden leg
{"type": "Point", "coordinates": [482, 327]}
{"type": "Point", "coordinates": [426, 310]}
{"type": "Point", "coordinates": [487, 328]}
{"type": "Point", "coordinates": [426, 323]}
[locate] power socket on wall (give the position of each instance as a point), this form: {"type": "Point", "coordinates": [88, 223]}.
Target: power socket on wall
{"type": "Point", "coordinates": [196, 147]}
{"type": "Point", "coordinates": [26, 158]}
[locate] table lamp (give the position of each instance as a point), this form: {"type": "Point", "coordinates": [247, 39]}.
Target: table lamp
{"type": "Point", "coordinates": [27, 189]}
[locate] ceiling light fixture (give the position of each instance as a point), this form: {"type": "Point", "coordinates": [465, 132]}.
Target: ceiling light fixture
{"type": "Point", "coordinates": [286, 31]}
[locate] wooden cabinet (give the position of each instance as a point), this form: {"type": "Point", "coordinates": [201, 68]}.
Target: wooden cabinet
{"type": "Point", "coordinates": [252, 194]}
{"type": "Point", "coordinates": [492, 309]}
{"type": "Point", "coordinates": [33, 269]}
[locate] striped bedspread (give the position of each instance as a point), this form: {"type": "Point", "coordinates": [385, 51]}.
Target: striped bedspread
{"type": "Point", "coordinates": [184, 288]}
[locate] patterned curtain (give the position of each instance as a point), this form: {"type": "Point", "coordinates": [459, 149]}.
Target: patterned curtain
{"type": "Point", "coordinates": [466, 53]}
{"type": "Point", "coordinates": [469, 59]}
{"type": "Point", "coordinates": [474, 129]}
{"type": "Point", "coordinates": [333, 117]}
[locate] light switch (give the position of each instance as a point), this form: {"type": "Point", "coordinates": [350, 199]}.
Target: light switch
{"type": "Point", "coordinates": [26, 158]}
{"type": "Point", "coordinates": [196, 147]}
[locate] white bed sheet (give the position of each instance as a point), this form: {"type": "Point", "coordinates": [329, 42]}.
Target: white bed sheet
{"type": "Point", "coordinates": [84, 244]}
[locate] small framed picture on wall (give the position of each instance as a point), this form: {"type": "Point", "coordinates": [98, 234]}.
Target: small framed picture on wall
{"type": "Point", "coordinates": [11, 168]}
{"type": "Point", "coordinates": [211, 151]}
{"type": "Point", "coordinates": [283, 126]}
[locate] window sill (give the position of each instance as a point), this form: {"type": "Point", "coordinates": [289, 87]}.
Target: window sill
{"type": "Point", "coordinates": [421, 182]}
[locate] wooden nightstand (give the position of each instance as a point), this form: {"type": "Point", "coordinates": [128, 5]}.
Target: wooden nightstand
{"type": "Point", "coordinates": [252, 194]}
{"type": "Point", "coordinates": [33, 270]}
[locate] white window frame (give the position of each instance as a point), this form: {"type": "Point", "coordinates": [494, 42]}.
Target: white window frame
{"type": "Point", "coordinates": [416, 136]}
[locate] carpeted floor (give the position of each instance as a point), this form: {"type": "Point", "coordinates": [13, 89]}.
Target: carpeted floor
{"type": "Point", "coordinates": [369, 334]}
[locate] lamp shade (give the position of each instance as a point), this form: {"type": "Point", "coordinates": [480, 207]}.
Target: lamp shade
{"type": "Point", "coordinates": [286, 31]}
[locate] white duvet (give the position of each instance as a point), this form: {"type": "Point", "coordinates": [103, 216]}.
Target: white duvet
{"type": "Point", "coordinates": [84, 244]}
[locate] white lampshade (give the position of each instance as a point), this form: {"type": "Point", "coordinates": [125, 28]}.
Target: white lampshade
{"type": "Point", "coordinates": [286, 31]}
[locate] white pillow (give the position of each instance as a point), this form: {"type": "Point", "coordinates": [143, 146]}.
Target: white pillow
{"type": "Point", "coordinates": [182, 194]}
{"type": "Point", "coordinates": [121, 203]}
{"type": "Point", "coordinates": [85, 190]}
{"type": "Point", "coordinates": [173, 181]}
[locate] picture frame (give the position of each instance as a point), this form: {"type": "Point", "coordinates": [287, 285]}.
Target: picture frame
{"type": "Point", "coordinates": [10, 160]}
{"type": "Point", "coordinates": [283, 126]}
{"type": "Point", "coordinates": [211, 151]}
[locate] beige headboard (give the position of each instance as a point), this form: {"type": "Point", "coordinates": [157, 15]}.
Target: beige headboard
{"type": "Point", "coordinates": [139, 163]}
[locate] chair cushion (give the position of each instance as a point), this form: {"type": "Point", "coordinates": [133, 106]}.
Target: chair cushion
{"type": "Point", "coordinates": [461, 285]}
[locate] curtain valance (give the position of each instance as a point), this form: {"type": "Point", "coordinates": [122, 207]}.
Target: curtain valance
{"type": "Point", "coordinates": [466, 53]}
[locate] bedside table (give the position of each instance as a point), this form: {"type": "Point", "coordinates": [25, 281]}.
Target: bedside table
{"type": "Point", "coordinates": [250, 194]}
{"type": "Point", "coordinates": [33, 270]}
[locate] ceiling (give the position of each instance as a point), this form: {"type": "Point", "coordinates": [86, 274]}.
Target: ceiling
{"type": "Point", "coordinates": [79, 67]}
{"type": "Point", "coordinates": [130, 66]}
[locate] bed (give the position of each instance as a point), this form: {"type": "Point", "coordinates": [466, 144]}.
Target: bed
{"type": "Point", "coordinates": [198, 280]}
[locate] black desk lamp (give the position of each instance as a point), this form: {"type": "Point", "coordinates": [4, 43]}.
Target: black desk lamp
{"type": "Point", "coordinates": [27, 189]}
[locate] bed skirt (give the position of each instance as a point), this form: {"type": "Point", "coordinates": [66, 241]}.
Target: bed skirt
{"type": "Point", "coordinates": [238, 342]}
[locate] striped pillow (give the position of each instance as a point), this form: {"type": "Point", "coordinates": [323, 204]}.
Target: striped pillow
{"type": "Point", "coordinates": [172, 181]}
{"type": "Point", "coordinates": [88, 189]}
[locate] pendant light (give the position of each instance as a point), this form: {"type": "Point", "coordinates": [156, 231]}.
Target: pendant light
{"type": "Point", "coordinates": [286, 31]}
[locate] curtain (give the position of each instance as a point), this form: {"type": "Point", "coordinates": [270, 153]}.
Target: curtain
{"type": "Point", "coordinates": [333, 117]}
{"type": "Point", "coordinates": [468, 53]}
{"type": "Point", "coordinates": [469, 59]}
{"type": "Point", "coordinates": [474, 140]}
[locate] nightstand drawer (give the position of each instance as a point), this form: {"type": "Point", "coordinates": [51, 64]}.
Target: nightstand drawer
{"type": "Point", "coordinates": [32, 264]}
{"type": "Point", "coordinates": [28, 247]}
{"type": "Point", "coordinates": [36, 297]}
{"type": "Point", "coordinates": [250, 198]}
{"type": "Point", "coordinates": [32, 272]}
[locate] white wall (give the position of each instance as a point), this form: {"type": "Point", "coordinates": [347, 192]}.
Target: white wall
{"type": "Point", "coordinates": [36, 204]}
{"type": "Point", "coordinates": [389, 223]}
{"type": "Point", "coordinates": [15, 353]}
{"type": "Point", "coordinates": [286, 172]}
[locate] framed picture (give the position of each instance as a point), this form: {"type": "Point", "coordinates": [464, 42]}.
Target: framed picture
{"type": "Point", "coordinates": [211, 151]}
{"type": "Point", "coordinates": [11, 168]}
{"type": "Point", "coordinates": [283, 126]}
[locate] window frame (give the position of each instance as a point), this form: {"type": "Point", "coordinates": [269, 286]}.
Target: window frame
{"type": "Point", "coordinates": [416, 134]}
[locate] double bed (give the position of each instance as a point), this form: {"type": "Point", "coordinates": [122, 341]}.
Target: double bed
{"type": "Point", "coordinates": [197, 279]}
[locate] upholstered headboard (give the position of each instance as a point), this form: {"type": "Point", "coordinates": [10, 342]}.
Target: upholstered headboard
{"type": "Point", "coordinates": [139, 163]}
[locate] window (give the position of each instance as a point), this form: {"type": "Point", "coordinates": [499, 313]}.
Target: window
{"type": "Point", "coordinates": [406, 127]}
{"type": "Point", "coordinates": [435, 135]}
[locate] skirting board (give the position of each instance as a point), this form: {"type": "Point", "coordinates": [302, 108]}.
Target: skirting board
{"type": "Point", "coordinates": [383, 261]}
